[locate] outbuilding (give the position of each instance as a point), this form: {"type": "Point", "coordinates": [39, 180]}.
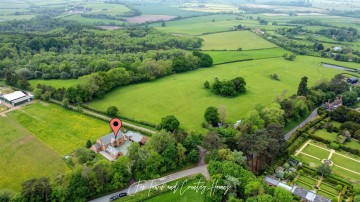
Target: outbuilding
{"type": "Point", "coordinates": [17, 98]}
{"type": "Point", "coordinates": [352, 80]}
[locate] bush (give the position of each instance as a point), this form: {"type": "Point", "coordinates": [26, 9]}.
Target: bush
{"type": "Point", "coordinates": [338, 187]}
{"type": "Point", "coordinates": [334, 145]}
{"type": "Point", "coordinates": [301, 172]}
{"type": "Point", "coordinates": [112, 111]}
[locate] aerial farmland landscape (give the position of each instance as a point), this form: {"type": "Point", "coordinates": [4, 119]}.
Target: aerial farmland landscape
{"type": "Point", "coordinates": [182, 101]}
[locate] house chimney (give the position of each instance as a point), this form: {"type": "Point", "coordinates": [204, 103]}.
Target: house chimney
{"type": "Point", "coordinates": [337, 101]}
{"type": "Point", "coordinates": [340, 99]}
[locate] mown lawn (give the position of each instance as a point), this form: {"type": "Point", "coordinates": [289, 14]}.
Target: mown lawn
{"type": "Point", "coordinates": [309, 160]}
{"type": "Point", "coordinates": [352, 144]}
{"type": "Point", "coordinates": [329, 188]}
{"type": "Point", "coordinates": [342, 161]}
{"type": "Point", "coordinates": [245, 40]}
{"type": "Point", "coordinates": [24, 157]}
{"type": "Point", "coordinates": [325, 135]}
{"type": "Point", "coordinates": [56, 83]}
{"type": "Point", "coordinates": [62, 130]}
{"type": "Point", "coordinates": [345, 173]}
{"type": "Point", "coordinates": [316, 151]}
{"type": "Point", "coordinates": [228, 56]}
{"type": "Point", "coordinates": [184, 96]}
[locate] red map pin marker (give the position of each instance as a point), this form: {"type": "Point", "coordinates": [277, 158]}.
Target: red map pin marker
{"type": "Point", "coordinates": [115, 125]}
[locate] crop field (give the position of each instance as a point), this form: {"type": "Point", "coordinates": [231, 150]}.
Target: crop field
{"type": "Point", "coordinates": [234, 40]}
{"type": "Point", "coordinates": [23, 156]}
{"type": "Point", "coordinates": [56, 83]}
{"type": "Point", "coordinates": [229, 56]}
{"type": "Point", "coordinates": [184, 96]}
{"type": "Point", "coordinates": [64, 134]}
{"type": "Point", "coordinates": [200, 25]}
{"type": "Point", "coordinates": [345, 165]}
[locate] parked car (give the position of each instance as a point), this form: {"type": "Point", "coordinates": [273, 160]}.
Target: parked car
{"type": "Point", "coordinates": [122, 194]}
{"type": "Point", "coordinates": [113, 198]}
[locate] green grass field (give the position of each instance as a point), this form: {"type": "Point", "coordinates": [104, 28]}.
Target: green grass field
{"type": "Point", "coordinates": [3, 108]}
{"type": "Point", "coordinates": [54, 83]}
{"type": "Point", "coordinates": [184, 96]}
{"type": "Point", "coordinates": [62, 130]}
{"type": "Point", "coordinates": [316, 151]}
{"type": "Point", "coordinates": [226, 56]}
{"type": "Point", "coordinates": [346, 162]}
{"type": "Point", "coordinates": [200, 25]}
{"type": "Point", "coordinates": [325, 135]}
{"type": "Point", "coordinates": [108, 9]}
{"type": "Point", "coordinates": [234, 40]}
{"type": "Point", "coordinates": [354, 144]}
{"type": "Point", "coordinates": [93, 21]}
{"type": "Point", "coordinates": [338, 160]}
{"type": "Point", "coordinates": [24, 157]}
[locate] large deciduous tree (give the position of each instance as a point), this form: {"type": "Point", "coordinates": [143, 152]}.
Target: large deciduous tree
{"type": "Point", "coordinates": [169, 123]}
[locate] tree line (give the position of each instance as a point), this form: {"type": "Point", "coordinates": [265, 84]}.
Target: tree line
{"type": "Point", "coordinates": [96, 84]}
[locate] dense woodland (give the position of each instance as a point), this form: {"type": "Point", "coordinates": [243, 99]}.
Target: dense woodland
{"type": "Point", "coordinates": [55, 49]}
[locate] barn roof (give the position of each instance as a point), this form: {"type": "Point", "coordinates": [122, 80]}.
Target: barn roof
{"type": "Point", "coordinates": [13, 96]}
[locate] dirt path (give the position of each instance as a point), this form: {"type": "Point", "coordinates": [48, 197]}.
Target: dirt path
{"type": "Point", "coordinates": [319, 182]}
{"type": "Point", "coordinates": [320, 147]}
{"type": "Point", "coordinates": [302, 148]}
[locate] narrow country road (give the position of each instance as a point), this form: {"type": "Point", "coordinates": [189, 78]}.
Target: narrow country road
{"type": "Point", "coordinates": [147, 184]}
{"type": "Point", "coordinates": [307, 120]}
{"type": "Point", "coordinates": [108, 118]}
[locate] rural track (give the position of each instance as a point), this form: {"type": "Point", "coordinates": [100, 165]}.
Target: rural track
{"type": "Point", "coordinates": [307, 120]}
{"type": "Point", "coordinates": [91, 113]}
{"type": "Point", "coordinates": [148, 184]}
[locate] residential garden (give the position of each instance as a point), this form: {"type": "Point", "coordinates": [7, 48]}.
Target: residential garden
{"type": "Point", "coordinates": [324, 155]}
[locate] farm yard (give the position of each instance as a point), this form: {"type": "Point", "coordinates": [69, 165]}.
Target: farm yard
{"type": "Point", "coordinates": [27, 156]}
{"type": "Point", "coordinates": [65, 134]}
{"type": "Point", "coordinates": [184, 96]}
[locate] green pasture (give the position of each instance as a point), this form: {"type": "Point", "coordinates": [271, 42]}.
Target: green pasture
{"type": "Point", "coordinates": [108, 9]}
{"type": "Point", "coordinates": [93, 21]}
{"type": "Point", "coordinates": [245, 40]}
{"type": "Point", "coordinates": [229, 56]}
{"type": "Point", "coordinates": [184, 96]}
{"type": "Point", "coordinates": [325, 135]}
{"type": "Point", "coordinates": [62, 130]}
{"type": "Point", "coordinates": [24, 157]}
{"type": "Point", "coordinates": [316, 151]}
{"type": "Point", "coordinates": [56, 83]}
{"type": "Point", "coordinates": [200, 25]}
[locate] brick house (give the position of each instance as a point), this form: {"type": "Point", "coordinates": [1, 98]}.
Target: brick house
{"type": "Point", "coordinates": [117, 146]}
